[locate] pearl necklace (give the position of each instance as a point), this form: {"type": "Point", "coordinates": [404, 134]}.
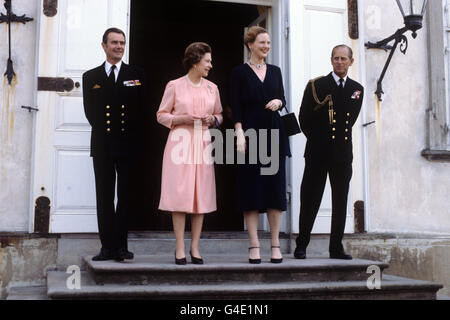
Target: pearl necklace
{"type": "Point", "coordinates": [258, 66]}
{"type": "Point", "coordinates": [196, 85]}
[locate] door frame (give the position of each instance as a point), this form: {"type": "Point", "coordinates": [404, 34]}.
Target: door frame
{"type": "Point", "coordinates": [277, 26]}
{"type": "Point", "coordinates": [279, 22]}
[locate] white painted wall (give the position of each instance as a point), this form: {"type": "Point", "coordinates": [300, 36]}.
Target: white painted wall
{"type": "Point", "coordinates": [16, 124]}
{"type": "Point", "coordinates": [407, 193]}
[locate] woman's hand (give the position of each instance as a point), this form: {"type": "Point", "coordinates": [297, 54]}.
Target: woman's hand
{"type": "Point", "coordinates": [208, 120]}
{"type": "Point", "coordinates": [274, 105]}
{"type": "Point", "coordinates": [240, 143]}
{"type": "Point", "coordinates": [185, 120]}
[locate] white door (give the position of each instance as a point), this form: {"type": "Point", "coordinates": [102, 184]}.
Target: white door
{"type": "Point", "coordinates": [316, 26]}
{"type": "Point", "coordinates": [69, 44]}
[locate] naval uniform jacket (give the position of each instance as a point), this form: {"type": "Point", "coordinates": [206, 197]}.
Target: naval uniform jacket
{"type": "Point", "coordinates": [115, 112]}
{"type": "Point", "coordinates": [325, 141]}
{"type": "Point", "coordinates": [328, 152]}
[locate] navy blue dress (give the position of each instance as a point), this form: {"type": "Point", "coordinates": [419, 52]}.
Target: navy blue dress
{"type": "Point", "coordinates": [249, 96]}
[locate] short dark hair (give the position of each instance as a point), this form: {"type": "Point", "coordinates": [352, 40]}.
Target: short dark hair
{"type": "Point", "coordinates": [194, 53]}
{"type": "Point", "coordinates": [350, 51]}
{"type": "Point", "coordinates": [112, 30]}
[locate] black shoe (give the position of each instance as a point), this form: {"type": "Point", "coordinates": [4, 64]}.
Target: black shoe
{"type": "Point", "coordinates": [254, 261]}
{"type": "Point", "coordinates": [272, 260]}
{"type": "Point", "coordinates": [180, 262]}
{"type": "Point", "coordinates": [123, 254]}
{"type": "Point", "coordinates": [105, 254]}
{"type": "Point", "coordinates": [196, 260]}
{"type": "Point", "coordinates": [340, 255]}
{"type": "Point", "coordinates": [129, 255]}
{"type": "Point", "coordinates": [300, 253]}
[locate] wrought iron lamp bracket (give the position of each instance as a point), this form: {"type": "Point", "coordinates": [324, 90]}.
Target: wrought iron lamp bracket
{"type": "Point", "coordinates": [399, 38]}
{"type": "Point", "coordinates": [9, 18]}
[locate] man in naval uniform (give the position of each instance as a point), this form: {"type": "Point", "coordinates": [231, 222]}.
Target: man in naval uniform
{"type": "Point", "coordinates": [114, 99]}
{"type": "Point", "coordinates": [329, 109]}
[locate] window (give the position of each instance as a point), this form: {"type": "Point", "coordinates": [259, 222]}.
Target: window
{"type": "Point", "coordinates": [438, 113]}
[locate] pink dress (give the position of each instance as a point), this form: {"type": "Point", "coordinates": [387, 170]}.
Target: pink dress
{"type": "Point", "coordinates": [188, 183]}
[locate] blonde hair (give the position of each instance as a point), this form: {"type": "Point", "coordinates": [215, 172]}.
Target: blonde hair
{"type": "Point", "coordinates": [252, 34]}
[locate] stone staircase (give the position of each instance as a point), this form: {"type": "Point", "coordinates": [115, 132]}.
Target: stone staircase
{"type": "Point", "coordinates": [231, 277]}
{"type": "Point", "coordinates": [226, 274]}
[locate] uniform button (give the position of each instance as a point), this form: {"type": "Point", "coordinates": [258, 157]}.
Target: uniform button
{"type": "Point", "coordinates": [123, 114]}
{"type": "Point", "coordinates": [348, 114]}
{"type": "Point", "coordinates": [346, 138]}
{"type": "Point", "coordinates": [334, 129]}
{"type": "Point", "coordinates": [108, 122]}
{"type": "Point", "coordinates": [109, 130]}
{"type": "Point", "coordinates": [333, 137]}
{"type": "Point", "coordinates": [123, 107]}
{"type": "Point", "coordinates": [335, 113]}
{"type": "Point", "coordinates": [334, 121]}
{"type": "Point", "coordinates": [123, 130]}
{"type": "Point", "coordinates": [123, 122]}
{"type": "Point", "coordinates": [346, 130]}
{"type": "Point", "coordinates": [108, 107]}
{"type": "Point", "coordinates": [346, 122]}
{"type": "Point", "coordinates": [108, 114]}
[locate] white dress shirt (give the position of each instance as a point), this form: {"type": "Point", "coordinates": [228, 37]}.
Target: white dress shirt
{"type": "Point", "coordinates": [337, 78]}
{"type": "Point", "coordinates": [108, 68]}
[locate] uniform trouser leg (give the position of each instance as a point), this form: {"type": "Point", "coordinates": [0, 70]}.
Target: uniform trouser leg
{"type": "Point", "coordinates": [124, 201]}
{"type": "Point", "coordinates": [105, 181]}
{"type": "Point", "coordinates": [340, 176]}
{"type": "Point", "coordinates": [313, 185]}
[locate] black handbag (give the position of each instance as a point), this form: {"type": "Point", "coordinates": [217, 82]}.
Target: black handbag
{"type": "Point", "coordinates": [290, 123]}
{"type": "Point", "coordinates": [217, 124]}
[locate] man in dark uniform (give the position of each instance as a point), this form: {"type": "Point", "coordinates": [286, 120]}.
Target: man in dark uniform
{"type": "Point", "coordinates": [329, 109]}
{"type": "Point", "coordinates": [114, 100]}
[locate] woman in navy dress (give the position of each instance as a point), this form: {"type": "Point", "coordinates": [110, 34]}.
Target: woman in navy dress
{"type": "Point", "coordinates": [257, 94]}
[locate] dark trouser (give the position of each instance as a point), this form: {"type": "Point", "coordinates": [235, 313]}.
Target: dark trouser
{"type": "Point", "coordinates": [313, 185]}
{"type": "Point", "coordinates": [112, 222]}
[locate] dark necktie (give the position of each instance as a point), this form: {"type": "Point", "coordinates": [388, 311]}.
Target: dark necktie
{"type": "Point", "coordinates": [341, 83]}
{"type": "Point", "coordinates": [112, 76]}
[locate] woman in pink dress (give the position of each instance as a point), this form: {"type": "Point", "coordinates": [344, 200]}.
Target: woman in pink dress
{"type": "Point", "coordinates": [190, 105]}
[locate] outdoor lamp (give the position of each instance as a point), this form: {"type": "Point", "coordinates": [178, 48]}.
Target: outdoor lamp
{"type": "Point", "coordinates": [412, 11]}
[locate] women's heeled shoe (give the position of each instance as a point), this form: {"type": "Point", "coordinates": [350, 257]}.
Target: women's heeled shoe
{"type": "Point", "coordinates": [254, 261]}
{"type": "Point", "coordinates": [195, 260]}
{"type": "Point", "coordinates": [180, 262]}
{"type": "Point", "coordinates": [272, 260]}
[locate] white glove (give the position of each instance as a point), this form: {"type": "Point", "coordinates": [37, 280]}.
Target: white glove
{"type": "Point", "coordinates": [241, 143]}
